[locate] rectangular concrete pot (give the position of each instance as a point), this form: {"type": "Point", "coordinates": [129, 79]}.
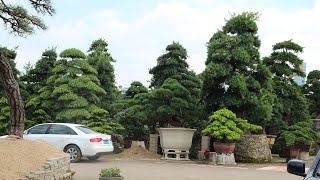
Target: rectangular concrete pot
{"type": "Point", "coordinates": [176, 138]}
{"type": "Point", "coordinates": [176, 142]}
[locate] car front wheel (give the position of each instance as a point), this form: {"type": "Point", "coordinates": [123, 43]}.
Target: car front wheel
{"type": "Point", "coordinates": [75, 153]}
{"type": "Point", "coordinates": [91, 158]}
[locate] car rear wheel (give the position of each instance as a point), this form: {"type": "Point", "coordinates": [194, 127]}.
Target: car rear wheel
{"type": "Point", "coordinates": [91, 158]}
{"type": "Point", "coordinates": [75, 153]}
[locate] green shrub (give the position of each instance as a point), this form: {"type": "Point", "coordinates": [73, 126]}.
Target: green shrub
{"type": "Point", "coordinates": [110, 172]}
{"type": "Point", "coordinates": [299, 133]}
{"type": "Point", "coordinates": [226, 127]}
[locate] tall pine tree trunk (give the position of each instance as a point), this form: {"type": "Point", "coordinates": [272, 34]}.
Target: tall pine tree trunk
{"type": "Point", "coordinates": [11, 87]}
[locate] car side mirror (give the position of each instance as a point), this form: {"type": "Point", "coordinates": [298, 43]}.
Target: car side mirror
{"type": "Point", "coordinates": [25, 132]}
{"type": "Point", "coordinates": [296, 167]}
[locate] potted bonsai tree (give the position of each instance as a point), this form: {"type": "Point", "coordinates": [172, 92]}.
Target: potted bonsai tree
{"type": "Point", "coordinates": [227, 128]}
{"type": "Point", "coordinates": [110, 174]}
{"type": "Point", "coordinates": [294, 139]}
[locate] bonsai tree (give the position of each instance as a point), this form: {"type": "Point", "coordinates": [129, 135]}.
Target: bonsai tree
{"type": "Point", "coordinates": [299, 133]}
{"type": "Point", "coordinates": [110, 174]}
{"type": "Point", "coordinates": [226, 127]}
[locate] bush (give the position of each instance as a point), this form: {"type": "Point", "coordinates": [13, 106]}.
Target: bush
{"type": "Point", "coordinates": [110, 172]}
{"type": "Point", "coordinates": [226, 127]}
{"type": "Point", "coordinates": [299, 133]}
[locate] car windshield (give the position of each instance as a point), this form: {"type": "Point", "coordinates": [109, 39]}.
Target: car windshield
{"type": "Point", "coordinates": [86, 130]}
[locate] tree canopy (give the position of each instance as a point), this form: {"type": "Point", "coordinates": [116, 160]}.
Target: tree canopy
{"type": "Point", "coordinates": [101, 60]}
{"type": "Point", "coordinates": [235, 77]}
{"type": "Point", "coordinates": [291, 105]}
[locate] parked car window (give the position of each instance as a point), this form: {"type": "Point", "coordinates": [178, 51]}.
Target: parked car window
{"type": "Point", "coordinates": [61, 129]}
{"type": "Point", "coordinates": [41, 129]}
{"type": "Point", "coordinates": [86, 130]}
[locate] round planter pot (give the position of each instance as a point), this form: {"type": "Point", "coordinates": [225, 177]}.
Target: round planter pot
{"type": "Point", "coordinates": [225, 148]}
{"type": "Point", "coordinates": [111, 178]}
{"type": "Point", "coordinates": [304, 147]}
{"type": "Point", "coordinates": [290, 153]}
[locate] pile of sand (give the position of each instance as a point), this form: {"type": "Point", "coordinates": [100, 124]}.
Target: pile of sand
{"type": "Point", "coordinates": [18, 157]}
{"type": "Point", "coordinates": [137, 153]}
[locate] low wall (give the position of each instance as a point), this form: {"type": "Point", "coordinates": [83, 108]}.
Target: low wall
{"type": "Point", "coordinates": [55, 168]}
{"type": "Point", "coordinates": [253, 149]}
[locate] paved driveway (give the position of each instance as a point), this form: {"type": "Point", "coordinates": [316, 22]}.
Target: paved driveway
{"type": "Point", "coordinates": [172, 170]}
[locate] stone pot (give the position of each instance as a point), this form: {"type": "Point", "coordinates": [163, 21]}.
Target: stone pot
{"type": "Point", "coordinates": [176, 141]}
{"type": "Point", "coordinates": [111, 178]}
{"type": "Point", "coordinates": [290, 153]}
{"type": "Point", "coordinates": [225, 148]}
{"type": "Point", "coordinates": [253, 149]}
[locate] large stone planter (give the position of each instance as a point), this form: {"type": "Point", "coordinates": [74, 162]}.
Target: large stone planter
{"type": "Point", "coordinates": [253, 149]}
{"type": "Point", "coordinates": [176, 142]}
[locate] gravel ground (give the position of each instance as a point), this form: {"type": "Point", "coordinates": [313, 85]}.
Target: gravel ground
{"type": "Point", "coordinates": [136, 153]}
{"type": "Point", "coordinates": [18, 157]}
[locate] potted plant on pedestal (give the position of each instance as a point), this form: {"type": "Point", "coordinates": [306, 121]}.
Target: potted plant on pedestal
{"type": "Point", "coordinates": [295, 140]}
{"type": "Point", "coordinates": [110, 174]}
{"type": "Point", "coordinates": [227, 128]}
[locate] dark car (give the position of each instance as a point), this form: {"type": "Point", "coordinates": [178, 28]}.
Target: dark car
{"type": "Point", "coordinates": [297, 167]}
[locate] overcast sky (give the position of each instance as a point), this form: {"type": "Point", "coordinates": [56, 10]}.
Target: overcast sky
{"type": "Point", "coordinates": [139, 31]}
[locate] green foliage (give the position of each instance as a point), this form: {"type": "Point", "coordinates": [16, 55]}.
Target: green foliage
{"type": "Point", "coordinates": [225, 126]}
{"type": "Point", "coordinates": [72, 53]}
{"type": "Point", "coordinates": [290, 104]}
{"type": "Point", "coordinates": [101, 122]}
{"type": "Point", "coordinates": [235, 77]}
{"type": "Point", "coordinates": [170, 104]}
{"type": "Point", "coordinates": [19, 20]}
{"type": "Point", "coordinates": [136, 87]}
{"type": "Point", "coordinates": [299, 133]}
{"type": "Point", "coordinates": [72, 91]}
{"type": "Point", "coordinates": [34, 79]}
{"type": "Point", "coordinates": [110, 172]}
{"type": "Point", "coordinates": [4, 116]}
{"type": "Point", "coordinates": [134, 116]}
{"type": "Point", "coordinates": [100, 59]}
{"type": "Point", "coordinates": [173, 65]}
{"type": "Point", "coordinates": [312, 92]}
{"type": "Point", "coordinates": [39, 116]}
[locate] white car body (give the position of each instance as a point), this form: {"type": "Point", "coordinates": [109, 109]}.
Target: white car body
{"type": "Point", "coordinates": [90, 143]}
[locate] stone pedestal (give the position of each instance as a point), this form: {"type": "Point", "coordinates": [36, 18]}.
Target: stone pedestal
{"type": "Point", "coordinates": [153, 144]}
{"type": "Point", "coordinates": [303, 156]}
{"type": "Point", "coordinates": [205, 143]}
{"type": "Point", "coordinates": [225, 159]}
{"type": "Point", "coordinates": [213, 158]}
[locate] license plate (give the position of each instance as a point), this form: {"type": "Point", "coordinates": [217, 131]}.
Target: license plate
{"type": "Point", "coordinates": [105, 142]}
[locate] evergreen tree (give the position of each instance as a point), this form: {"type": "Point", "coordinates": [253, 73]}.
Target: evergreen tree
{"type": "Point", "coordinates": [170, 104]}
{"type": "Point", "coordinates": [73, 90]}
{"type": "Point", "coordinates": [101, 122]}
{"type": "Point", "coordinates": [136, 87]}
{"type": "Point", "coordinates": [284, 63]}
{"type": "Point", "coordinates": [101, 60]}
{"type": "Point", "coordinates": [173, 65]}
{"type": "Point", "coordinates": [312, 91]}
{"type": "Point", "coordinates": [36, 78]}
{"type": "Point", "coordinates": [235, 77]}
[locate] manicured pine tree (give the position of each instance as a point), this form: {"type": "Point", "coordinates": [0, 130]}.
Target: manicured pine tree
{"type": "Point", "coordinates": [101, 60]}
{"type": "Point", "coordinates": [235, 77]}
